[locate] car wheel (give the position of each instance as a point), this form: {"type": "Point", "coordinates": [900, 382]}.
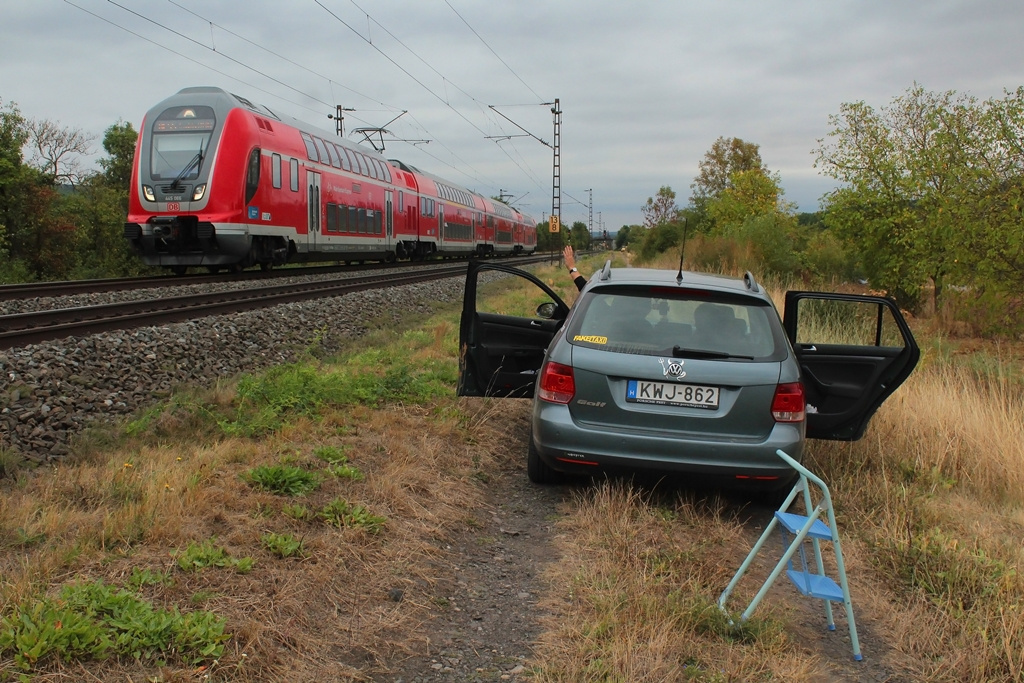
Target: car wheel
{"type": "Point", "coordinates": [538, 471]}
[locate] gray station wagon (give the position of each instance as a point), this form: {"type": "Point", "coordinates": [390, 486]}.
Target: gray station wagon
{"type": "Point", "coordinates": [682, 372]}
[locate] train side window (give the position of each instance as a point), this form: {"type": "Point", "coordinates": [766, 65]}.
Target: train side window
{"type": "Point", "coordinates": [387, 171]}
{"type": "Point", "coordinates": [293, 172]}
{"type": "Point", "coordinates": [353, 219]}
{"type": "Point", "coordinates": [332, 217]}
{"type": "Point", "coordinates": [362, 164]}
{"type": "Point", "coordinates": [332, 151]}
{"type": "Point", "coordinates": [401, 201]}
{"type": "Point", "coordinates": [321, 147]}
{"type": "Point", "coordinates": [345, 163]}
{"type": "Point", "coordinates": [353, 164]}
{"type": "Point", "coordinates": [311, 152]}
{"type": "Point", "coordinates": [371, 162]}
{"type": "Point", "coordinates": [275, 170]}
{"type": "Point", "coordinates": [252, 175]}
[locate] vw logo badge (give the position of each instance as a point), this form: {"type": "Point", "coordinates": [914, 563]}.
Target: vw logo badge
{"type": "Point", "coordinates": [672, 367]}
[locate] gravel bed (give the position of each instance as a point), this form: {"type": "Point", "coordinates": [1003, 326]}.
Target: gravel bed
{"type": "Point", "coordinates": [49, 392]}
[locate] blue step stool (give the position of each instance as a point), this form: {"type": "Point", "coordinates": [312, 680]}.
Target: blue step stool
{"type": "Point", "coordinates": [796, 530]}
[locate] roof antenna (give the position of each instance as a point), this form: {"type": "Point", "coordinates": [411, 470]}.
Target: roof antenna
{"type": "Point", "coordinates": [682, 252]}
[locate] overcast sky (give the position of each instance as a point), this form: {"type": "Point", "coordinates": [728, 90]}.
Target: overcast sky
{"type": "Point", "coordinates": [645, 87]}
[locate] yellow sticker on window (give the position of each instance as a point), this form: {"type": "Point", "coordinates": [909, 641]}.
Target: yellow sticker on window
{"type": "Point", "coordinates": [590, 339]}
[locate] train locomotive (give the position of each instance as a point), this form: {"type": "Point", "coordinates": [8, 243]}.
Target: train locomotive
{"type": "Point", "coordinates": [221, 183]}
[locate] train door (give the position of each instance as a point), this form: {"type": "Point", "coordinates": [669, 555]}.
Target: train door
{"type": "Point", "coordinates": [389, 218]}
{"type": "Point", "coordinates": [313, 202]}
{"type": "Point", "coordinates": [441, 236]}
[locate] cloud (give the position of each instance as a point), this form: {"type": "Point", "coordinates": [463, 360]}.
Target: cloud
{"type": "Point", "coordinates": [645, 87]}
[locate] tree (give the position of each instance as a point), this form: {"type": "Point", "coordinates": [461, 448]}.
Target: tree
{"type": "Point", "coordinates": [119, 142]}
{"type": "Point", "coordinates": [56, 150]}
{"type": "Point", "coordinates": [661, 208]}
{"type": "Point", "coordinates": [579, 236]}
{"type": "Point", "coordinates": [910, 171]}
{"type": "Point", "coordinates": [748, 193]}
{"type": "Point", "coordinates": [726, 157]}
{"type": "Point", "coordinates": [627, 234]}
{"type": "Point", "coordinates": [18, 189]}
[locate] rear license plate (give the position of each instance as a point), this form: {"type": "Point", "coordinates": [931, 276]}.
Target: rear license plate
{"type": "Point", "coordinates": [665, 394]}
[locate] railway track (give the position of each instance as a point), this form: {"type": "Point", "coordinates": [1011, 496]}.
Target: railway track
{"type": "Point", "coordinates": [38, 326]}
{"type": "Point", "coordinates": [32, 290]}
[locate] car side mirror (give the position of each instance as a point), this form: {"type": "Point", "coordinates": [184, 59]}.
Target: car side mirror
{"type": "Point", "coordinates": [547, 310]}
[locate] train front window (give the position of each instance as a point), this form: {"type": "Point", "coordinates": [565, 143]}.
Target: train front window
{"type": "Point", "coordinates": [181, 140]}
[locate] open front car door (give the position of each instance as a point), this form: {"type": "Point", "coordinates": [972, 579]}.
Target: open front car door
{"type": "Point", "coordinates": [854, 351]}
{"type": "Point", "coordinates": [500, 354]}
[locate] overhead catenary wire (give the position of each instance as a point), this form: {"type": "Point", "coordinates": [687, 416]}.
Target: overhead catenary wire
{"type": "Point", "coordinates": [460, 164]}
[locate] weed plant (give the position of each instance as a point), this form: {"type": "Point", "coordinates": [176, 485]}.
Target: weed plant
{"type": "Point", "coordinates": [341, 513]}
{"type": "Point", "coordinates": [283, 545]}
{"type": "Point", "coordinates": [284, 480]}
{"type": "Point", "coordinates": [93, 620]}
{"type": "Point", "coordinates": [198, 556]}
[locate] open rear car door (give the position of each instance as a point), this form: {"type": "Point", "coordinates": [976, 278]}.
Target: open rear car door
{"type": "Point", "coordinates": [500, 354]}
{"type": "Point", "coordinates": [854, 351]}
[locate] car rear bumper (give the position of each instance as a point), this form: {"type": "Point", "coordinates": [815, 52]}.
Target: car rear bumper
{"type": "Point", "coordinates": [568, 446]}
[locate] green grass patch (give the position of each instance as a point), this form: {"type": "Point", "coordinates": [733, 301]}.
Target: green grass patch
{"type": "Point", "coordinates": [284, 480]}
{"type": "Point", "coordinates": [197, 556]}
{"type": "Point", "coordinates": [283, 545]}
{"type": "Point", "coordinates": [96, 620]}
{"type": "Point", "coordinates": [341, 513]}
{"type": "Point", "coordinates": [374, 377]}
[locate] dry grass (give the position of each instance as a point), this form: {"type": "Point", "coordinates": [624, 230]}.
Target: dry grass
{"type": "Point", "coordinates": [325, 617]}
{"type": "Point", "coordinates": [930, 505]}
{"type": "Point", "coordinates": [933, 496]}
{"type": "Point", "coordinates": [637, 586]}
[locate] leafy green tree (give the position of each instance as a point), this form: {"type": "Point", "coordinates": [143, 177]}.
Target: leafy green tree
{"type": "Point", "coordinates": [119, 142]}
{"type": "Point", "coordinates": [749, 193]}
{"type": "Point", "coordinates": [661, 208]}
{"type": "Point", "coordinates": [579, 236]}
{"type": "Point", "coordinates": [726, 157]}
{"type": "Point", "coordinates": [661, 238]}
{"type": "Point", "coordinates": [629, 235]}
{"type": "Point", "coordinates": [913, 173]}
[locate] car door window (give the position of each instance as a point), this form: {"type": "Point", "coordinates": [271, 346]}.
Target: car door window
{"type": "Point", "coordinates": [503, 339]}
{"type": "Point", "coordinates": [849, 323]}
{"type": "Point", "coordinates": [854, 351]}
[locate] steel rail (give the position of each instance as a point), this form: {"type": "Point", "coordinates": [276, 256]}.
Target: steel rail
{"type": "Point", "coordinates": [30, 328]}
{"type": "Point", "coordinates": [32, 290]}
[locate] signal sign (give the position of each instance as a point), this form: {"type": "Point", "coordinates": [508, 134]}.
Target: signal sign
{"type": "Point", "coordinates": [555, 224]}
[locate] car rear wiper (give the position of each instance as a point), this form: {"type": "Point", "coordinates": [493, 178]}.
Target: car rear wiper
{"type": "Point", "coordinates": [680, 352]}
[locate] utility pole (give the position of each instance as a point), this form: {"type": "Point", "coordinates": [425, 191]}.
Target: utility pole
{"type": "Point", "coordinates": [339, 119]}
{"type": "Point", "coordinates": [590, 217]}
{"type": "Point", "coordinates": [556, 179]}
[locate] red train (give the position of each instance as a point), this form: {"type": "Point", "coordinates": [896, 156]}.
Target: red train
{"type": "Point", "coordinates": [222, 183]}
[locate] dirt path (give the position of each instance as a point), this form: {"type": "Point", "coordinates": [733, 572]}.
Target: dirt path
{"type": "Point", "coordinates": [487, 594]}
{"type": "Point", "coordinates": [486, 617]}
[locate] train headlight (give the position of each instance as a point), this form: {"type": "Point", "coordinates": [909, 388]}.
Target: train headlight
{"type": "Point", "coordinates": [199, 192]}
{"type": "Point", "coordinates": [147, 192]}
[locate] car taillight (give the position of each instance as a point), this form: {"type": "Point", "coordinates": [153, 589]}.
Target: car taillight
{"type": "Point", "coordinates": [556, 383]}
{"type": "Point", "coordinates": [789, 405]}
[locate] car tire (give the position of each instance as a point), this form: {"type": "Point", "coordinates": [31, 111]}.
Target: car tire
{"type": "Point", "coordinates": [538, 471]}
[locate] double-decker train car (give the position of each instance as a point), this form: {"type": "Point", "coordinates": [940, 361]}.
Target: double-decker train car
{"type": "Point", "coordinates": [222, 183]}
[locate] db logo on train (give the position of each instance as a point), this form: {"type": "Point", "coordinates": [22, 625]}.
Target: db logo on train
{"type": "Point", "coordinates": [173, 206]}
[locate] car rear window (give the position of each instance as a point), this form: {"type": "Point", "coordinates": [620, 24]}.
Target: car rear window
{"type": "Point", "coordinates": [661, 321]}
